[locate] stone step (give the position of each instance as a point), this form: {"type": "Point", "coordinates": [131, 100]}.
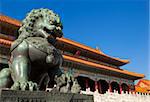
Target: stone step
{"type": "Point", "coordinates": [41, 96]}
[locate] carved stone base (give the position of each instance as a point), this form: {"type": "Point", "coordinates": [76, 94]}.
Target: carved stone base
{"type": "Point", "coordinates": [41, 96]}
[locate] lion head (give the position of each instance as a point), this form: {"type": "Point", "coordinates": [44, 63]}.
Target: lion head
{"type": "Point", "coordinates": [41, 23]}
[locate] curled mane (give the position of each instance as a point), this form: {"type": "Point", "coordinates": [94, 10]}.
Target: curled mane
{"type": "Point", "coordinates": [27, 29]}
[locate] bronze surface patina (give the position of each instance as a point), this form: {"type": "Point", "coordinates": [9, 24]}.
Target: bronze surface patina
{"type": "Point", "coordinates": [35, 62]}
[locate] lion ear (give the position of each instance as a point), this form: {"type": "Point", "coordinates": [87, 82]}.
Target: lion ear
{"type": "Point", "coordinates": [20, 30]}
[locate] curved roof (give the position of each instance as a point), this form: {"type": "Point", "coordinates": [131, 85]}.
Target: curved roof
{"type": "Point", "coordinates": [143, 86]}
{"type": "Point", "coordinates": [118, 61]}
{"type": "Point", "coordinates": [92, 64]}
{"type": "Point", "coordinates": [10, 20]}
{"type": "Point", "coordinates": [5, 42]}
{"type": "Point", "coordinates": [92, 50]}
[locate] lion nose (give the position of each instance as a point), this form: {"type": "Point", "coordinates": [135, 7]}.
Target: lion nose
{"type": "Point", "coordinates": [58, 28]}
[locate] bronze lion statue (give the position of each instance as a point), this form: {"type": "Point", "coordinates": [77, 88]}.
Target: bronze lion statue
{"type": "Point", "coordinates": [35, 62]}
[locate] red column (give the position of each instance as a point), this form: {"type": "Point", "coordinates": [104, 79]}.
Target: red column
{"type": "Point", "coordinates": [129, 88]}
{"type": "Point", "coordinates": [100, 88]}
{"type": "Point", "coordinates": [86, 83]}
{"type": "Point", "coordinates": [110, 89]}
{"type": "Point", "coordinates": [96, 86]}
{"type": "Point", "coordinates": [120, 88]}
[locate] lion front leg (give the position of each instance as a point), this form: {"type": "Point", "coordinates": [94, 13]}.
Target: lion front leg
{"type": "Point", "coordinates": [21, 73]}
{"type": "Point", "coordinates": [21, 66]}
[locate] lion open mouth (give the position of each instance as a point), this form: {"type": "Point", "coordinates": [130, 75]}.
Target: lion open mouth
{"type": "Point", "coordinates": [55, 32]}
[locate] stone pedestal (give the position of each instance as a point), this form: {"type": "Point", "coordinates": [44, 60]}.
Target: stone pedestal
{"type": "Point", "coordinates": [41, 96]}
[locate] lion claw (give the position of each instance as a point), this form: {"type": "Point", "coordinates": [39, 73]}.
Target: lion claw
{"type": "Point", "coordinates": [24, 85]}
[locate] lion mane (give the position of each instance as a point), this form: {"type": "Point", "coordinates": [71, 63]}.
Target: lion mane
{"type": "Point", "coordinates": [28, 30]}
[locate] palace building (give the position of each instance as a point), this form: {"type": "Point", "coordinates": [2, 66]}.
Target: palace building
{"type": "Point", "coordinates": [143, 86]}
{"type": "Point", "coordinates": [92, 68]}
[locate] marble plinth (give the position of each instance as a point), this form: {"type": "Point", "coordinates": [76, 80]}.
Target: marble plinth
{"type": "Point", "coordinates": [42, 96]}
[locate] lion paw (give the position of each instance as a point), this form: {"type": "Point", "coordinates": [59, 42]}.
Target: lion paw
{"type": "Point", "coordinates": [24, 85]}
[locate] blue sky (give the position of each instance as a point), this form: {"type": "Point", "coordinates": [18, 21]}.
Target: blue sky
{"type": "Point", "coordinates": [118, 27]}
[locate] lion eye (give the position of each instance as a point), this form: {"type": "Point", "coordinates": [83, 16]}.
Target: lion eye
{"type": "Point", "coordinates": [55, 23]}
{"type": "Point", "coordinates": [50, 22]}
